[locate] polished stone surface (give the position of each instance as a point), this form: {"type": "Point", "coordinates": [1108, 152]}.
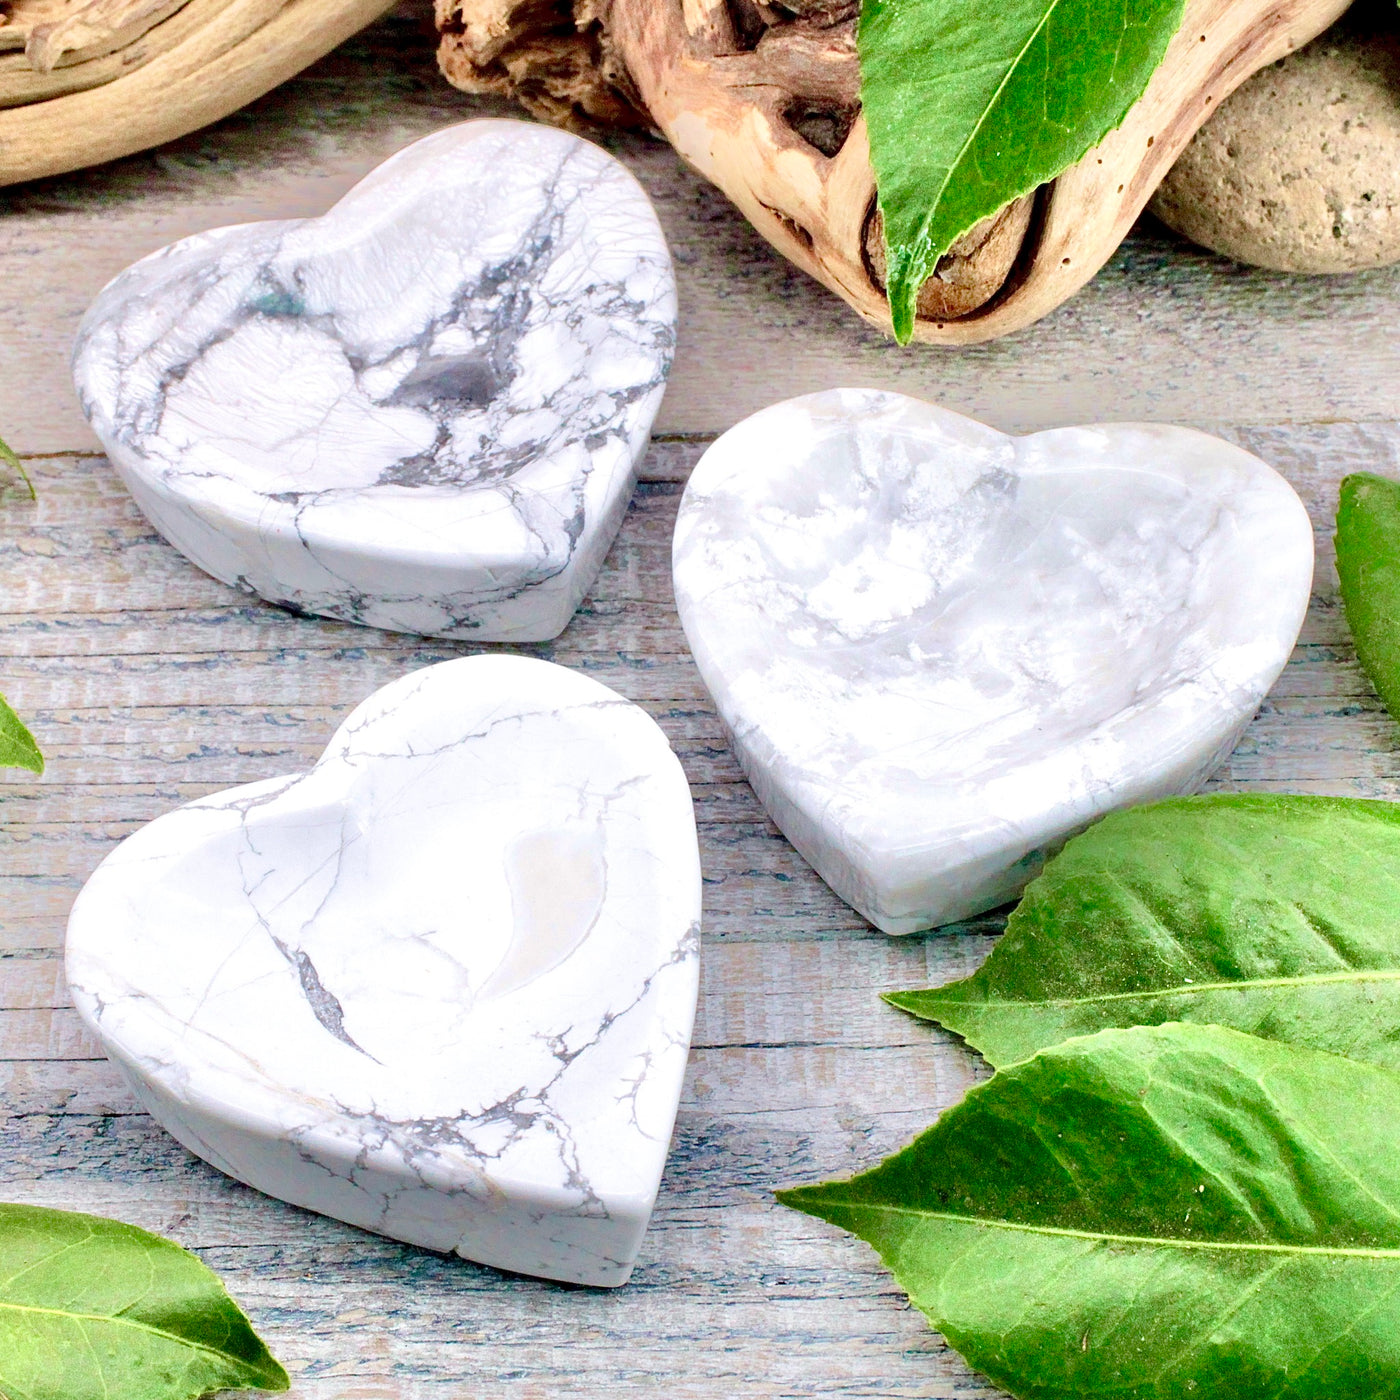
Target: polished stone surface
{"type": "Point", "coordinates": [422, 411]}
{"type": "Point", "coordinates": [941, 650]}
{"type": "Point", "coordinates": [441, 986]}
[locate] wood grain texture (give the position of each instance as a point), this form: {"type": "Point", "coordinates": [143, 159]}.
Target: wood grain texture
{"type": "Point", "coordinates": [729, 114]}
{"type": "Point", "coordinates": [244, 49]}
{"type": "Point", "coordinates": [148, 684]}
{"type": "Point", "coordinates": [1164, 332]}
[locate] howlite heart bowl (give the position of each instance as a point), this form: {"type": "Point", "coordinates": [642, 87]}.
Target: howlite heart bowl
{"type": "Point", "coordinates": [423, 410]}
{"type": "Point", "coordinates": [941, 650]}
{"type": "Point", "coordinates": [440, 986]}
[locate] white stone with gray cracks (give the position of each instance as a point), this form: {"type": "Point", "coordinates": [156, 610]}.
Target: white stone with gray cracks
{"type": "Point", "coordinates": [441, 986]}
{"type": "Point", "coordinates": [941, 650]}
{"type": "Point", "coordinates": [422, 411]}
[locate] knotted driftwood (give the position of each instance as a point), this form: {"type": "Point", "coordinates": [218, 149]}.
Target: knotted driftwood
{"type": "Point", "coordinates": [763, 99]}
{"type": "Point", "coordinates": [85, 81]}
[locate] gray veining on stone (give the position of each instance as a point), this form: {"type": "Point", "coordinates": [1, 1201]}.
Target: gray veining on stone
{"type": "Point", "coordinates": [441, 986]}
{"type": "Point", "coordinates": [941, 650]}
{"type": "Point", "coordinates": [421, 411]}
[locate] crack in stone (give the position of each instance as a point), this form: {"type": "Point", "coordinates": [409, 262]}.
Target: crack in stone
{"type": "Point", "coordinates": [514, 366]}
{"type": "Point", "coordinates": [325, 1005]}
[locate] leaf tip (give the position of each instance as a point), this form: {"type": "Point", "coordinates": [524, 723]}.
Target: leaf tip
{"type": "Point", "coordinates": [925, 1003]}
{"type": "Point", "coordinates": [1357, 486]}
{"type": "Point", "coordinates": [18, 748]}
{"type": "Point", "coordinates": [905, 270]}
{"type": "Point", "coordinates": [276, 1381]}
{"type": "Point", "coordinates": [12, 459]}
{"type": "Point", "coordinates": [903, 310]}
{"type": "Point", "coordinates": [803, 1198]}
{"type": "Point", "coordinates": [901, 1001]}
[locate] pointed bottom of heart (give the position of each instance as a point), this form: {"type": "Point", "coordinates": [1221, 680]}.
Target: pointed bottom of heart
{"type": "Point", "coordinates": [941, 651]}
{"type": "Point", "coordinates": [440, 987]}
{"type": "Point", "coordinates": [515, 1226]}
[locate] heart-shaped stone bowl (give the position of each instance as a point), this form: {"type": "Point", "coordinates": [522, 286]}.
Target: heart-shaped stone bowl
{"type": "Point", "coordinates": [941, 650]}
{"type": "Point", "coordinates": [441, 986]}
{"type": "Point", "coordinates": [421, 411]}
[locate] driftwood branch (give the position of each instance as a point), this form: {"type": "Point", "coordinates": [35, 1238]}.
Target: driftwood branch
{"type": "Point", "coordinates": [763, 99]}
{"type": "Point", "coordinates": [88, 82]}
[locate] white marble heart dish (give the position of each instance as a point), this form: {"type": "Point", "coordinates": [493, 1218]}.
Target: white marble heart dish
{"type": "Point", "coordinates": [941, 650]}
{"type": "Point", "coordinates": [441, 986]}
{"type": "Point", "coordinates": [422, 411]}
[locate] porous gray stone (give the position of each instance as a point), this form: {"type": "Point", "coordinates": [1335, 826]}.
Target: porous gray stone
{"type": "Point", "coordinates": [1299, 170]}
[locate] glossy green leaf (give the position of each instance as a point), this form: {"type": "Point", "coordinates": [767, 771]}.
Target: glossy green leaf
{"type": "Point", "coordinates": [93, 1309]}
{"type": "Point", "coordinates": [1275, 915]}
{"type": "Point", "coordinates": [1168, 1213]}
{"type": "Point", "coordinates": [1368, 565]}
{"type": "Point", "coordinates": [970, 105]}
{"type": "Point", "coordinates": [17, 746]}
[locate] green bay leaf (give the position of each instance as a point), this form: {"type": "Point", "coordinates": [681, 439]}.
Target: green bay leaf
{"type": "Point", "coordinates": [970, 105]}
{"type": "Point", "coordinates": [1368, 566]}
{"type": "Point", "coordinates": [1275, 915]}
{"type": "Point", "coordinates": [92, 1309]}
{"type": "Point", "coordinates": [1167, 1213]}
{"type": "Point", "coordinates": [17, 746]}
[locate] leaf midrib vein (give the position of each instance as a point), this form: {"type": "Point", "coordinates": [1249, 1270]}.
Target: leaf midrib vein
{"type": "Point", "coordinates": [1105, 1237]}
{"type": "Point", "coordinates": [1011, 69]}
{"type": "Point", "coordinates": [118, 1321]}
{"type": "Point", "coordinates": [1192, 989]}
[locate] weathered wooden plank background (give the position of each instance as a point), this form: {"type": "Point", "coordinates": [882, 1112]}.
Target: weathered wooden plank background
{"type": "Point", "coordinates": [149, 684]}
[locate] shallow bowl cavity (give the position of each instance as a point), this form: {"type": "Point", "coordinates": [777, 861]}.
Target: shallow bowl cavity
{"type": "Point", "coordinates": [941, 649]}
{"type": "Point", "coordinates": [422, 410]}
{"type": "Point", "coordinates": [440, 986]}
